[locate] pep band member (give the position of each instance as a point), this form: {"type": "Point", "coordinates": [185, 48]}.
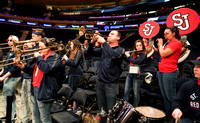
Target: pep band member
{"type": "Point", "coordinates": [134, 80]}
{"type": "Point", "coordinates": [107, 87]}
{"type": "Point", "coordinates": [26, 102]}
{"type": "Point", "coordinates": [168, 68]}
{"type": "Point", "coordinates": [188, 97]}
{"type": "Point", "coordinates": [46, 70]}
{"type": "Point", "coordinates": [10, 75]}
{"type": "Point", "coordinates": [75, 61]}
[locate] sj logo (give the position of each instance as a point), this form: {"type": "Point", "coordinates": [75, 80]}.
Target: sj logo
{"type": "Point", "coordinates": [182, 19]}
{"type": "Point", "coordinates": [187, 20]}
{"type": "Point", "coordinates": [148, 28]}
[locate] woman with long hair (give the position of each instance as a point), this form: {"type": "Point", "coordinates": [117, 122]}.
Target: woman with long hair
{"type": "Point", "coordinates": [75, 61]}
{"type": "Point", "coordinates": [133, 80]}
{"type": "Point", "coordinates": [168, 68]}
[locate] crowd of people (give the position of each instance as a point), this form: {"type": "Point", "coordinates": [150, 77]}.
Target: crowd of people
{"type": "Point", "coordinates": [43, 75]}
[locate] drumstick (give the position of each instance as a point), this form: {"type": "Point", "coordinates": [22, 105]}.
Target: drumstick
{"type": "Point", "coordinates": [177, 119]}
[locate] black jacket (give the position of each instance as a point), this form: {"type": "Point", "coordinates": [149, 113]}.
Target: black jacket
{"type": "Point", "coordinates": [111, 60]}
{"type": "Point", "coordinates": [139, 60]}
{"type": "Point", "coordinates": [76, 64]}
{"type": "Point", "coordinates": [13, 69]}
{"type": "Point", "coordinates": [188, 96]}
{"type": "Point", "coordinates": [52, 78]}
{"type": "Point", "coordinates": [26, 75]}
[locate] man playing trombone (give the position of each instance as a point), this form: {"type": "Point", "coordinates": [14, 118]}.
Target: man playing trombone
{"type": "Point", "coordinates": [10, 75]}
{"type": "Point", "coordinates": [26, 102]}
{"type": "Point", "coordinates": [46, 74]}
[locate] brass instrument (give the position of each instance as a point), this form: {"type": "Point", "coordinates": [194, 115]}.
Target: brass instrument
{"type": "Point", "coordinates": [29, 41]}
{"type": "Point", "coordinates": [150, 48]}
{"type": "Point", "coordinates": [21, 43]}
{"type": "Point", "coordinates": [24, 52]}
{"type": "Point", "coordinates": [185, 50]}
{"type": "Point", "coordinates": [9, 47]}
{"type": "Point", "coordinates": [89, 34]}
{"type": "Point", "coordinates": [20, 53]}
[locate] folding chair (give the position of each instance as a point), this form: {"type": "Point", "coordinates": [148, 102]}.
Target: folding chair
{"type": "Point", "coordinates": [79, 97]}
{"type": "Point", "coordinates": [60, 105]}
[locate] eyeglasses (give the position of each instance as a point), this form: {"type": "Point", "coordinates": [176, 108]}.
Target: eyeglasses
{"type": "Point", "coordinates": [8, 40]}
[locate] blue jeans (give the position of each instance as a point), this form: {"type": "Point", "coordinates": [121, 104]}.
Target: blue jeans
{"type": "Point", "coordinates": [41, 110]}
{"type": "Point", "coordinates": [167, 83]}
{"type": "Point", "coordinates": [106, 94]}
{"type": "Point", "coordinates": [9, 86]}
{"type": "Point", "coordinates": [132, 82]}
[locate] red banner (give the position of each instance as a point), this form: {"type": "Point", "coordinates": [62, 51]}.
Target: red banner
{"type": "Point", "coordinates": [149, 29]}
{"type": "Point", "coordinates": [187, 20]}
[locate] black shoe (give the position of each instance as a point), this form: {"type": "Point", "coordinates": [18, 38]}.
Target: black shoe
{"type": "Point", "coordinates": [30, 121]}
{"type": "Point", "coordinates": [15, 117]}
{"type": "Point", "coordinates": [3, 118]}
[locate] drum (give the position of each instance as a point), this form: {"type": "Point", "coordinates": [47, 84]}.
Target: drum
{"type": "Point", "coordinates": [150, 115]}
{"type": "Point", "coordinates": [122, 112]}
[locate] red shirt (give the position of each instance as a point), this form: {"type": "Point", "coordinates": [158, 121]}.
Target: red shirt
{"type": "Point", "coordinates": [38, 74]}
{"type": "Point", "coordinates": [169, 64]}
{"type": "Point", "coordinates": [198, 80]}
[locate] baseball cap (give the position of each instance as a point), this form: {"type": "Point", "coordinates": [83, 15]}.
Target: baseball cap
{"type": "Point", "coordinates": [196, 62]}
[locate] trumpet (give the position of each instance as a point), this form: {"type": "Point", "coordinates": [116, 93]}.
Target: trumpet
{"type": "Point", "coordinates": [90, 34]}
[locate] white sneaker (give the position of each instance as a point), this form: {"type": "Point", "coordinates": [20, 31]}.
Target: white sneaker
{"type": "Point", "coordinates": [79, 112]}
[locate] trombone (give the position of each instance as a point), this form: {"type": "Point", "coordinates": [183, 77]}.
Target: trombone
{"type": "Point", "coordinates": [21, 43]}
{"type": "Point", "coordinates": [9, 47]}
{"type": "Point", "coordinates": [30, 41]}
{"type": "Point", "coordinates": [20, 53]}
